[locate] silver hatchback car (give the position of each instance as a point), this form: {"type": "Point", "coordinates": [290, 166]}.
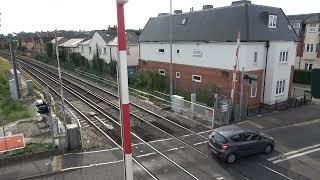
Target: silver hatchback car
{"type": "Point", "coordinates": [232, 141]}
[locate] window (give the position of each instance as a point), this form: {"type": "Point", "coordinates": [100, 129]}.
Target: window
{"type": "Point", "coordinates": [82, 50]}
{"type": "Point", "coordinates": [318, 47]}
{"type": "Point", "coordinates": [272, 21]}
{"type": "Point", "coordinates": [255, 59]}
{"type": "Point", "coordinates": [196, 78]}
{"type": "Point", "coordinates": [253, 93]}
{"type": "Point", "coordinates": [280, 87]}
{"type": "Point", "coordinates": [90, 50]}
{"type": "Point", "coordinates": [177, 75]}
{"type": "Point", "coordinates": [178, 51]}
{"type": "Point", "coordinates": [196, 53]}
{"type": "Point", "coordinates": [296, 25]}
{"type": "Point", "coordinates": [308, 66]}
{"type": "Point", "coordinates": [184, 20]}
{"type": "Point", "coordinates": [128, 51]}
{"type": "Point", "coordinates": [308, 48]}
{"type": "Point", "coordinates": [283, 56]}
{"type": "Point", "coordinates": [312, 28]}
{"type": "Point", "coordinates": [104, 50]}
{"type": "Point", "coordinates": [161, 50]}
{"type": "Point", "coordinates": [162, 72]}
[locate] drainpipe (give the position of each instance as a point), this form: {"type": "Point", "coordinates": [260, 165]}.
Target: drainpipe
{"type": "Point", "coordinates": [265, 71]}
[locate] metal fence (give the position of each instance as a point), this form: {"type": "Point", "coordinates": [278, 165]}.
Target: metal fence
{"type": "Point", "coordinates": [300, 97]}
{"type": "Point", "coordinates": [194, 111]}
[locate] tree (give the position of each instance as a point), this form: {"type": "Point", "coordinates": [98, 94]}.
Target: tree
{"type": "Point", "coordinates": [50, 50]}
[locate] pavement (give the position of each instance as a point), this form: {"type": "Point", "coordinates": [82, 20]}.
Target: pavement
{"type": "Point", "coordinates": [296, 156]}
{"type": "Point", "coordinates": [297, 138]}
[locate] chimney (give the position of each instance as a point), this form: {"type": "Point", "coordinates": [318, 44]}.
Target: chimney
{"type": "Point", "coordinates": [177, 11]}
{"type": "Point", "coordinates": [207, 7]}
{"type": "Point", "coordinates": [241, 2]}
{"type": "Point", "coordinates": [191, 9]}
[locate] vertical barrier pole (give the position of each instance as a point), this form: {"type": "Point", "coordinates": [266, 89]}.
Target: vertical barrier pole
{"type": "Point", "coordinates": [124, 93]}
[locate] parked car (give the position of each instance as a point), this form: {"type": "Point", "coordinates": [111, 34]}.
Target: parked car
{"type": "Point", "coordinates": [232, 141]}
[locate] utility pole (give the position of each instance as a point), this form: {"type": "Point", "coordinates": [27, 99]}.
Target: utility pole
{"type": "Point", "coordinates": [14, 65]}
{"type": "Point", "coordinates": [59, 71]}
{"type": "Point", "coordinates": [48, 96]}
{"type": "Point", "coordinates": [170, 39]}
{"type": "Point", "coordinates": [124, 93]}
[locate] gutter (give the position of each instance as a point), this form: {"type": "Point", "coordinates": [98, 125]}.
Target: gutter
{"type": "Point", "coordinates": [265, 71]}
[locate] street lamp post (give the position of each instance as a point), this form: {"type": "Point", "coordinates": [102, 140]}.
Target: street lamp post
{"type": "Point", "coordinates": [170, 39]}
{"type": "Point", "coordinates": [124, 94]}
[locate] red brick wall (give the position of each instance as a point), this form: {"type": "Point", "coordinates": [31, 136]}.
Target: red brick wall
{"type": "Point", "coordinates": [209, 77]}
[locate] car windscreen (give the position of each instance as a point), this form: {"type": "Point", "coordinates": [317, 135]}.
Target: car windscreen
{"type": "Point", "coordinates": [218, 137]}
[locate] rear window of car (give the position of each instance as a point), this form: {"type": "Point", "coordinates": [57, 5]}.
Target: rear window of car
{"type": "Point", "coordinates": [219, 138]}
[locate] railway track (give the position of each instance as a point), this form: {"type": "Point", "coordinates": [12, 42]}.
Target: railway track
{"type": "Point", "coordinates": [150, 126]}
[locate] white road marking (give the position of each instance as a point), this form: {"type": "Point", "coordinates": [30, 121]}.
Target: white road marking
{"type": "Point", "coordinates": [307, 123]}
{"type": "Point", "coordinates": [296, 155]}
{"type": "Point", "coordinates": [91, 165]}
{"type": "Point", "coordinates": [293, 152]}
{"type": "Point", "coordinates": [276, 172]}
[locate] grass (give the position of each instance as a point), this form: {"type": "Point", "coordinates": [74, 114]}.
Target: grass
{"type": "Point", "coordinates": [31, 149]}
{"type": "Point", "coordinates": [9, 110]}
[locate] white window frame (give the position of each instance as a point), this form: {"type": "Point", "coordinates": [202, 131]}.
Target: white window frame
{"type": "Point", "coordinates": [272, 21]}
{"type": "Point", "coordinates": [162, 72]}
{"type": "Point", "coordinates": [311, 47]}
{"type": "Point", "coordinates": [312, 28]}
{"type": "Point", "coordinates": [161, 52]}
{"type": "Point", "coordinates": [283, 56]}
{"type": "Point", "coordinates": [196, 53]}
{"type": "Point", "coordinates": [178, 75]}
{"type": "Point", "coordinates": [196, 80]}
{"type": "Point", "coordinates": [296, 25]}
{"type": "Point", "coordinates": [280, 87]}
{"type": "Point", "coordinates": [253, 94]}
{"type": "Point", "coordinates": [307, 47]}
{"type": "Point", "coordinates": [255, 57]}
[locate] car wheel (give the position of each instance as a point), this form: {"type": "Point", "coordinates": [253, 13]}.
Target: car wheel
{"type": "Point", "coordinates": [268, 149]}
{"type": "Point", "coordinates": [231, 158]}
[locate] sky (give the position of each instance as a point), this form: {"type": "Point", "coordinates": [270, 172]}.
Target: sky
{"type": "Point", "coordinates": [48, 15]}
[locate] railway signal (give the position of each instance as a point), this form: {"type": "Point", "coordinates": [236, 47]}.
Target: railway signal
{"type": "Point", "coordinates": [124, 94]}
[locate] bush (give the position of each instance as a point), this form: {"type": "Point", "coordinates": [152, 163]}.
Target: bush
{"type": "Point", "coordinates": [148, 81]}
{"type": "Point", "coordinates": [302, 76]}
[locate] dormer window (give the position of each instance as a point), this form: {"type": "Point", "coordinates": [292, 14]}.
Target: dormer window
{"type": "Point", "coordinates": [273, 21]}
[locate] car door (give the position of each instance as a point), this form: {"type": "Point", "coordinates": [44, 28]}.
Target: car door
{"type": "Point", "coordinates": [241, 144]}
{"type": "Point", "coordinates": [254, 144]}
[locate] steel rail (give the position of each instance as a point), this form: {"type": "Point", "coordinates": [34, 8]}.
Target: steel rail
{"type": "Point", "coordinates": [96, 107]}
{"type": "Point", "coordinates": [92, 123]}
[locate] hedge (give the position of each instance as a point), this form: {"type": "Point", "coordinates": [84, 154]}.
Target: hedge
{"type": "Point", "coordinates": [302, 76]}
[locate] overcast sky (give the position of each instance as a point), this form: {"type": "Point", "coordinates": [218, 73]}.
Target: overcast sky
{"type": "Point", "coordinates": [43, 15]}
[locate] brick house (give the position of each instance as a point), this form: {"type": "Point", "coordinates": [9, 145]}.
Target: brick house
{"type": "Point", "coordinates": [204, 48]}
{"type": "Point", "coordinates": [307, 26]}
